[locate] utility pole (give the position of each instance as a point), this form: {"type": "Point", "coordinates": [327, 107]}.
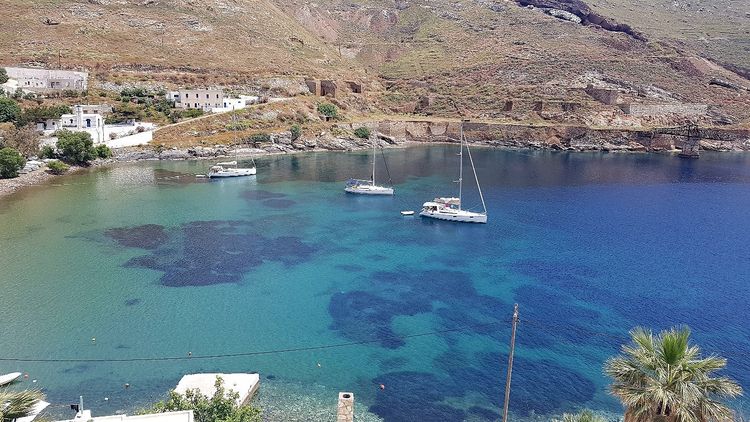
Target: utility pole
{"type": "Point", "coordinates": [510, 362]}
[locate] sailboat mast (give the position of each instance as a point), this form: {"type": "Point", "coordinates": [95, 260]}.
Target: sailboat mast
{"type": "Point", "coordinates": [476, 178]}
{"type": "Point", "coordinates": [373, 163]}
{"type": "Point", "coordinates": [461, 168]}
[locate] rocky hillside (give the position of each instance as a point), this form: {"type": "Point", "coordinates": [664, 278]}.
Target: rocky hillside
{"type": "Point", "coordinates": [518, 60]}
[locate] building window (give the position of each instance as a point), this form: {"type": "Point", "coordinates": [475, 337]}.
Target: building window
{"type": "Point", "coordinates": [88, 122]}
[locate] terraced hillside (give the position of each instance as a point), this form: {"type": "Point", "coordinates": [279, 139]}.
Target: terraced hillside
{"type": "Point", "coordinates": [518, 60]}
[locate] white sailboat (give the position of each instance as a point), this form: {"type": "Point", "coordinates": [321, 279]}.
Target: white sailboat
{"type": "Point", "coordinates": [230, 169]}
{"type": "Point", "coordinates": [449, 208]}
{"type": "Point", "coordinates": [367, 187]}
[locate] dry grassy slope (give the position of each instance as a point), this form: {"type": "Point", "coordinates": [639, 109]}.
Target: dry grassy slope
{"type": "Point", "coordinates": [253, 36]}
{"type": "Point", "coordinates": [476, 53]}
{"type": "Point", "coordinates": [483, 52]}
{"type": "Point", "coordinates": [719, 29]}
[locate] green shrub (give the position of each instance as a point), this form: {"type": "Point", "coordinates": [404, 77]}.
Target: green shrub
{"type": "Point", "coordinates": [47, 152]}
{"type": "Point", "coordinates": [11, 161]}
{"type": "Point", "coordinates": [296, 132]}
{"type": "Point", "coordinates": [9, 110]}
{"type": "Point", "coordinates": [260, 137]}
{"type": "Point", "coordinates": [328, 110]}
{"type": "Point", "coordinates": [57, 167]}
{"type": "Point", "coordinates": [3, 75]}
{"type": "Point", "coordinates": [75, 147]}
{"type": "Point", "coordinates": [362, 132]}
{"type": "Point", "coordinates": [191, 113]}
{"type": "Point", "coordinates": [103, 151]}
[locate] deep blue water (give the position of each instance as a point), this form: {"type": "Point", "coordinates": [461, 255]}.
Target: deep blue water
{"type": "Point", "coordinates": [153, 262]}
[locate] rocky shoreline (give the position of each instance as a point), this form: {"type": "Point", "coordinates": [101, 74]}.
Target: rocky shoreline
{"type": "Point", "coordinates": [399, 134]}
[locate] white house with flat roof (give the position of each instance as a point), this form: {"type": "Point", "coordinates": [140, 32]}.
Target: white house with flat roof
{"type": "Point", "coordinates": [182, 416]}
{"type": "Point", "coordinates": [47, 81]}
{"type": "Point", "coordinates": [80, 121]}
{"type": "Point", "coordinates": [203, 99]}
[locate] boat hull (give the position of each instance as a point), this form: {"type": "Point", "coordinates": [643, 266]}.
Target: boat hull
{"type": "Point", "coordinates": [463, 217]}
{"type": "Point", "coordinates": [237, 173]}
{"type": "Point", "coordinates": [369, 190]}
{"type": "Point", "coordinates": [9, 378]}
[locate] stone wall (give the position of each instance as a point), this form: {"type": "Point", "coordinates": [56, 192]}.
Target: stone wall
{"type": "Point", "coordinates": [570, 138]}
{"type": "Point", "coordinates": [643, 110]}
{"type": "Point", "coordinates": [605, 95]}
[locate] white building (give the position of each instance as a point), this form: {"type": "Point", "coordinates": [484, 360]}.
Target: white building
{"type": "Point", "coordinates": [235, 103]}
{"type": "Point", "coordinates": [80, 121]}
{"type": "Point", "coordinates": [48, 81]}
{"type": "Point", "coordinates": [202, 99]}
{"type": "Point", "coordinates": [90, 118]}
{"type": "Point", "coordinates": [182, 416]}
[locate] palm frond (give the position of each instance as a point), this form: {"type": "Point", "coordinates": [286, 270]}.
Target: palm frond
{"type": "Point", "coordinates": [18, 404]}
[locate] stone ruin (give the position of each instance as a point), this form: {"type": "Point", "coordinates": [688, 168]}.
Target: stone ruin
{"type": "Point", "coordinates": [608, 96]}
{"type": "Point", "coordinates": [332, 88]}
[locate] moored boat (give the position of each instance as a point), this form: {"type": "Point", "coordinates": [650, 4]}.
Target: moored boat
{"type": "Point", "coordinates": [9, 378]}
{"type": "Point", "coordinates": [229, 169]}
{"type": "Point", "coordinates": [449, 208]}
{"type": "Point", "coordinates": [368, 187]}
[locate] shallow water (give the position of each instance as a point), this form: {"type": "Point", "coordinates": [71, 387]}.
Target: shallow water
{"type": "Point", "coordinates": [152, 262]}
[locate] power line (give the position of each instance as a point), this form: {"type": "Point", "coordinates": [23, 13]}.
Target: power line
{"type": "Point", "coordinates": [243, 354]}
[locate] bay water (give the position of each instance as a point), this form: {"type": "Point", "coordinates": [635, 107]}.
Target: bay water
{"type": "Point", "coordinates": [139, 273]}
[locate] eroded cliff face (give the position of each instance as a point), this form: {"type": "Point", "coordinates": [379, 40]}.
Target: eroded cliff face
{"type": "Point", "coordinates": [570, 138]}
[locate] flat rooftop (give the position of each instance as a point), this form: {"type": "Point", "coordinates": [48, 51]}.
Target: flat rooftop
{"type": "Point", "coordinates": [244, 384]}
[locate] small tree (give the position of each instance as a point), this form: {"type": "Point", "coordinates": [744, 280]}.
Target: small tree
{"type": "Point", "coordinates": [11, 161]}
{"type": "Point", "coordinates": [329, 110]}
{"type": "Point", "coordinates": [75, 147]}
{"type": "Point", "coordinates": [362, 132]}
{"type": "Point", "coordinates": [296, 132]}
{"type": "Point", "coordinates": [9, 110]}
{"type": "Point", "coordinates": [221, 407]}
{"type": "Point", "coordinates": [664, 377]}
{"type": "Point", "coordinates": [57, 167]}
{"type": "Point", "coordinates": [3, 75]}
{"type": "Point", "coordinates": [23, 139]}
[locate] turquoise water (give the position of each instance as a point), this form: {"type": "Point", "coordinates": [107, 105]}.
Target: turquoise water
{"type": "Point", "coordinates": [152, 262]}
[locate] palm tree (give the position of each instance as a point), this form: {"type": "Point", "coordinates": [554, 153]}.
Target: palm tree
{"type": "Point", "coordinates": [17, 404]}
{"type": "Point", "coordinates": [665, 378]}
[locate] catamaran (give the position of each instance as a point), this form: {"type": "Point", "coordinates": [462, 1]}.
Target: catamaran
{"type": "Point", "coordinates": [229, 168]}
{"type": "Point", "coordinates": [449, 208]}
{"type": "Point", "coordinates": [368, 187]}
